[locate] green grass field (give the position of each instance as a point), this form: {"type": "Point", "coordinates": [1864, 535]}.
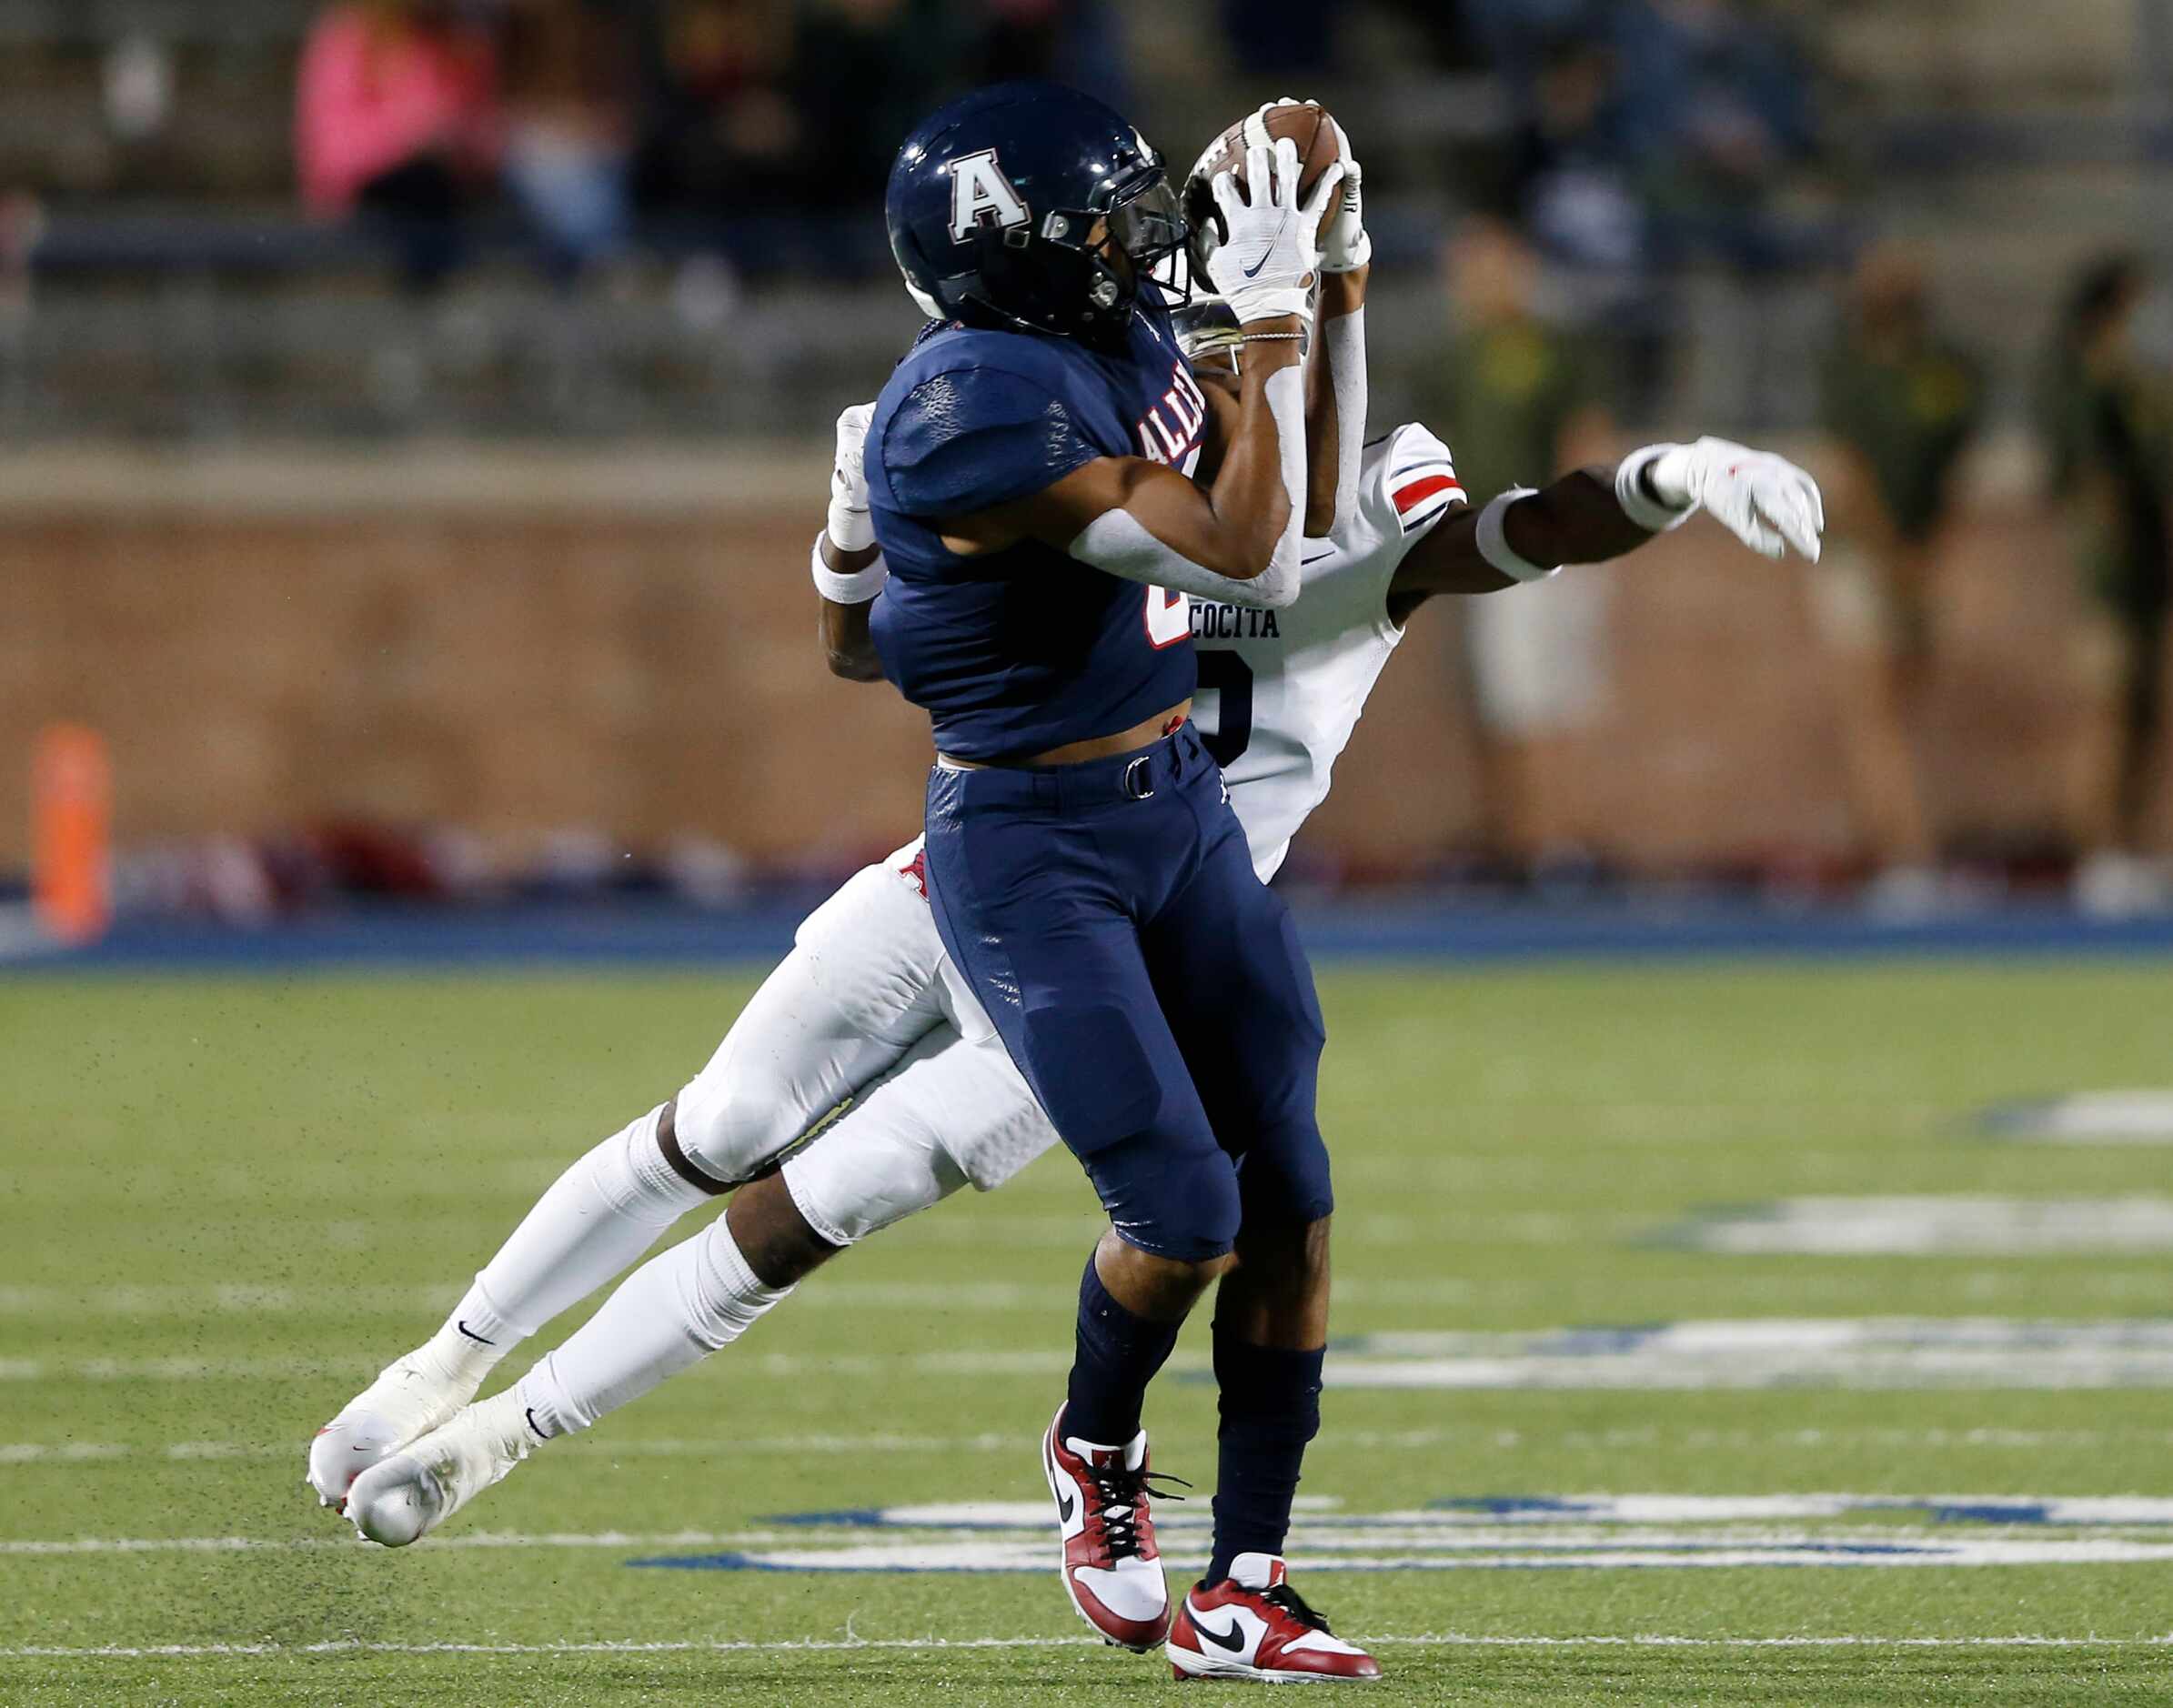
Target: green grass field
{"type": "Point", "coordinates": [223, 1203]}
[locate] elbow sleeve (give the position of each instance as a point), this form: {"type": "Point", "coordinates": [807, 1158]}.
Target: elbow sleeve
{"type": "Point", "coordinates": [1118, 542]}
{"type": "Point", "coordinates": [1344, 341]}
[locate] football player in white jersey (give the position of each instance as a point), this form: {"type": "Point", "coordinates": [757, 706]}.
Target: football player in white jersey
{"type": "Point", "coordinates": [867, 1011]}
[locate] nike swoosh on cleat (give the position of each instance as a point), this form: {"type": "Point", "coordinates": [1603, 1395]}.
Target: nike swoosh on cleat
{"type": "Point", "coordinates": [462, 1326]}
{"type": "Point", "coordinates": [1233, 1642]}
{"type": "Point", "coordinates": [1318, 556]}
{"type": "Point", "coordinates": [1064, 1503]}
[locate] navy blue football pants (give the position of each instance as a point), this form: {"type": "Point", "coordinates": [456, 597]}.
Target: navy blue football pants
{"type": "Point", "coordinates": [1150, 988]}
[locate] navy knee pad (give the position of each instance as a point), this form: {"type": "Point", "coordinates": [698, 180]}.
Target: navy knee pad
{"type": "Point", "coordinates": [1283, 1177]}
{"type": "Point", "coordinates": [1175, 1200]}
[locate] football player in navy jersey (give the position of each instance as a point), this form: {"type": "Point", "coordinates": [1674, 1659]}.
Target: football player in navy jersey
{"type": "Point", "coordinates": [867, 1009]}
{"type": "Point", "coordinates": [1028, 469]}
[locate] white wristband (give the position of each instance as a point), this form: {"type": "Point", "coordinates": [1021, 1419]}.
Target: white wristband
{"type": "Point", "coordinates": [1639, 504]}
{"type": "Point", "coordinates": [1493, 544]}
{"type": "Point", "coordinates": [856, 588]}
{"type": "Point", "coordinates": [1273, 303]}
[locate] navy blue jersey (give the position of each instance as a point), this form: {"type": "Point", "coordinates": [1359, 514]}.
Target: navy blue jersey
{"type": "Point", "coordinates": [1014, 652]}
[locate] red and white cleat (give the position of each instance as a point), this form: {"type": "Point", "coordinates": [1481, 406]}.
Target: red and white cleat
{"type": "Point", "coordinates": [1255, 1626]}
{"type": "Point", "coordinates": [1111, 1570]}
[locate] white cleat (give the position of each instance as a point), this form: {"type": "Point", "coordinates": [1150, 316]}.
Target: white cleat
{"type": "Point", "coordinates": [403, 1499]}
{"type": "Point", "coordinates": [408, 1399]}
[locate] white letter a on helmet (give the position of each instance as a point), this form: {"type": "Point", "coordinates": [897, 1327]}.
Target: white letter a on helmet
{"type": "Point", "coordinates": [981, 195]}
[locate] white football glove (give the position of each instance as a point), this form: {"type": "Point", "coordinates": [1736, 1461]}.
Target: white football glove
{"type": "Point", "coordinates": [1766, 501]}
{"type": "Point", "coordinates": [1344, 244]}
{"type": "Point", "coordinates": [851, 528]}
{"type": "Point", "coordinates": [1269, 250]}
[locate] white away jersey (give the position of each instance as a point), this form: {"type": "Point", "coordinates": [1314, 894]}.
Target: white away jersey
{"type": "Point", "coordinates": [1281, 691]}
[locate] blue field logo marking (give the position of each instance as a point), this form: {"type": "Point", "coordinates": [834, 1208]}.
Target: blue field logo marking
{"type": "Point", "coordinates": [1505, 1533]}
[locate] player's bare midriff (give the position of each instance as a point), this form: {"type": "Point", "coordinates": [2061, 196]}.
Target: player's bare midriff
{"type": "Point", "coordinates": [1144, 734]}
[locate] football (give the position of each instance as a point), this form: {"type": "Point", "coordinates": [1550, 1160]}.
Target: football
{"type": "Point", "coordinates": [1307, 125]}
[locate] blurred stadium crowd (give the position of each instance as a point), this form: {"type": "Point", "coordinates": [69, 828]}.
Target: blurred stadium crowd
{"type": "Point", "coordinates": [1917, 232]}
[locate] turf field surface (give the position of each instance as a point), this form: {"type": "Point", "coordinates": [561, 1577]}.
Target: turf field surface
{"type": "Point", "coordinates": [1568, 1455]}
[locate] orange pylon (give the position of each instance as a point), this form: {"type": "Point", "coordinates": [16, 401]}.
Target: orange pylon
{"type": "Point", "coordinates": [71, 870]}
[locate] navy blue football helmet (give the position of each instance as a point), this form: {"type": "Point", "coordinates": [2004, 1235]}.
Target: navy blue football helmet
{"type": "Point", "coordinates": [1031, 207]}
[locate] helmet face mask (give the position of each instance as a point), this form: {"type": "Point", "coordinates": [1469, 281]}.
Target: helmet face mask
{"type": "Point", "coordinates": [1205, 325]}
{"type": "Point", "coordinates": [1030, 208]}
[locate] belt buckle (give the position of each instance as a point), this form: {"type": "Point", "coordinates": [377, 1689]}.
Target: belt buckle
{"type": "Point", "coordinates": [1137, 784]}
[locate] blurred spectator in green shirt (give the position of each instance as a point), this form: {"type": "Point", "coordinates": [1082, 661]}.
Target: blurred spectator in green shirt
{"type": "Point", "coordinates": [1519, 399]}
{"type": "Point", "coordinates": [1901, 403]}
{"type": "Point", "coordinates": [2106, 412]}
{"type": "Point", "coordinates": [1517, 396]}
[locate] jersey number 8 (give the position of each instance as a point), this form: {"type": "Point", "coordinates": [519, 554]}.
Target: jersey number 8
{"type": "Point", "coordinates": [1229, 677]}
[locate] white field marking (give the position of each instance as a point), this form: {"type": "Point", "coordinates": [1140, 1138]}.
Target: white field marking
{"type": "Point", "coordinates": [1877, 1352]}
{"type": "Point", "coordinates": [1325, 1551]}
{"type": "Point", "coordinates": [1883, 1352]}
{"type": "Point", "coordinates": [236, 1299]}
{"type": "Point", "coordinates": [221, 1299]}
{"type": "Point", "coordinates": [817, 1645]}
{"type": "Point", "coordinates": [187, 1367]}
{"type": "Point", "coordinates": [66, 1454]}
{"type": "Point", "coordinates": [2063, 1510]}
{"type": "Point", "coordinates": [1929, 1225]}
{"type": "Point", "coordinates": [1008, 1535]}
{"type": "Point", "coordinates": [1714, 1551]}
{"type": "Point", "coordinates": [665, 1446]}
{"type": "Point", "coordinates": [2091, 1118]}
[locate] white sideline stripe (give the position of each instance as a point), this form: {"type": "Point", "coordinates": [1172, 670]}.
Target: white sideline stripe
{"type": "Point", "coordinates": [2091, 1118]}
{"type": "Point", "coordinates": [234, 1298]}
{"type": "Point", "coordinates": [1427, 1440]}
{"type": "Point", "coordinates": [1929, 1225]}
{"type": "Point", "coordinates": [1894, 1551]}
{"type": "Point", "coordinates": [1874, 1352]}
{"type": "Point", "coordinates": [185, 1368]}
{"type": "Point", "coordinates": [101, 1453]}
{"type": "Point", "coordinates": [1865, 1352]}
{"type": "Point", "coordinates": [61, 1455]}
{"type": "Point", "coordinates": [817, 1645]}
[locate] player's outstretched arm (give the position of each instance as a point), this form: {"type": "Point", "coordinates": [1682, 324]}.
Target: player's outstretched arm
{"type": "Point", "coordinates": [1236, 538]}
{"type": "Point", "coordinates": [1335, 401]}
{"type": "Point", "coordinates": [848, 565]}
{"type": "Point", "coordinates": [1595, 514]}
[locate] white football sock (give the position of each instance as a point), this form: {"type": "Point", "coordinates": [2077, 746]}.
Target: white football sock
{"type": "Point", "coordinates": [596, 1218]}
{"type": "Point", "coordinates": [667, 1316]}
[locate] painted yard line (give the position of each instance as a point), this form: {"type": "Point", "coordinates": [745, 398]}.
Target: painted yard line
{"type": "Point", "coordinates": [2091, 1118]}
{"type": "Point", "coordinates": [846, 1645]}
{"type": "Point", "coordinates": [1959, 1371]}
{"type": "Point", "coordinates": [64, 1454]}
{"type": "Point", "coordinates": [234, 1298]}
{"type": "Point", "coordinates": [344, 1538]}
{"type": "Point", "coordinates": [1875, 1353]}
{"type": "Point", "coordinates": [995, 1298]}
{"type": "Point", "coordinates": [1932, 1226]}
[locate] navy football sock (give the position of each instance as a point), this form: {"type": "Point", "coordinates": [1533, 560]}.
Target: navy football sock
{"type": "Point", "coordinates": [1117, 1356]}
{"type": "Point", "coordinates": [1270, 1405]}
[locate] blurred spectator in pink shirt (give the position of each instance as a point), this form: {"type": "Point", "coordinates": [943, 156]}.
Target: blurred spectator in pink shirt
{"type": "Point", "coordinates": [397, 119]}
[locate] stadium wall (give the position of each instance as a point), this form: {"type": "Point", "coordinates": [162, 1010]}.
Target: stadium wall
{"type": "Point", "coordinates": [518, 642]}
